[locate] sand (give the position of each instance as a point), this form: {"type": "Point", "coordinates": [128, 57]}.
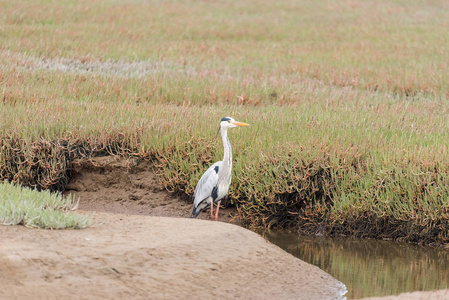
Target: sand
{"type": "Point", "coordinates": [142, 257]}
{"type": "Point", "coordinates": [430, 295]}
{"type": "Point", "coordinates": [109, 184]}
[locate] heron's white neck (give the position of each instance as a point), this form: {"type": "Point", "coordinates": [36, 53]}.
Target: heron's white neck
{"type": "Point", "coordinates": [227, 157]}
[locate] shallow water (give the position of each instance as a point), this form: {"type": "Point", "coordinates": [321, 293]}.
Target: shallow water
{"type": "Point", "coordinates": [371, 268]}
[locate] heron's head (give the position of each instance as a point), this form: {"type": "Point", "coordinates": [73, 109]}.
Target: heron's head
{"type": "Point", "coordinates": [228, 122]}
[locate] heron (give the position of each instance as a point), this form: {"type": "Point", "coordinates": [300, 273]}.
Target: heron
{"type": "Point", "coordinates": [214, 184]}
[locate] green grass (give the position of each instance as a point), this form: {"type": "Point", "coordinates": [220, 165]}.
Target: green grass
{"type": "Point", "coordinates": [31, 208]}
{"type": "Point", "coordinates": [347, 103]}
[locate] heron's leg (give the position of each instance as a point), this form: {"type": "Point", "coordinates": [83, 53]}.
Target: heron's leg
{"type": "Point", "coordinates": [218, 207]}
{"type": "Point", "coordinates": [211, 209]}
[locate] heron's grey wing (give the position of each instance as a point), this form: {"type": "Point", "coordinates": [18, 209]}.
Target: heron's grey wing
{"type": "Point", "coordinates": [207, 183]}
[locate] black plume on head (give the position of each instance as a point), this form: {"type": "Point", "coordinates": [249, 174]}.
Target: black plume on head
{"type": "Point", "coordinates": [225, 119]}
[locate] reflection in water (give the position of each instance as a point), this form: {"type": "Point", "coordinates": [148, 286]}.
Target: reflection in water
{"type": "Point", "coordinates": [368, 267]}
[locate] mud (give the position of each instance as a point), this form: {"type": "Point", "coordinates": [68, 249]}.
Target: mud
{"type": "Point", "coordinates": [109, 184]}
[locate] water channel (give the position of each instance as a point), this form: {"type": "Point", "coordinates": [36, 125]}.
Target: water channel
{"type": "Point", "coordinates": [368, 267]}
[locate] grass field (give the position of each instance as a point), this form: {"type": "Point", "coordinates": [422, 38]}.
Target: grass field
{"type": "Point", "coordinates": [347, 102]}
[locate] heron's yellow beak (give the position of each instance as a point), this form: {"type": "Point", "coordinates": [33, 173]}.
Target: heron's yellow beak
{"type": "Point", "coordinates": [240, 123]}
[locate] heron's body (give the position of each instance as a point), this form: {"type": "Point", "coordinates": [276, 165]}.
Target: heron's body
{"type": "Point", "coordinates": [215, 182]}
{"type": "Point", "coordinates": [209, 189]}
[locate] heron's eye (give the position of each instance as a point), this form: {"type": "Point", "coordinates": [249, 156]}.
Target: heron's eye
{"type": "Point", "coordinates": [229, 121]}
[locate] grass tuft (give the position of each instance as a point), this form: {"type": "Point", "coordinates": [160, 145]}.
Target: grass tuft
{"type": "Point", "coordinates": [31, 208]}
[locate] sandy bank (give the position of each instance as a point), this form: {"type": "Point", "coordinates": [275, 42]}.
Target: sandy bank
{"type": "Point", "coordinates": [142, 257]}
{"type": "Point", "coordinates": [430, 295]}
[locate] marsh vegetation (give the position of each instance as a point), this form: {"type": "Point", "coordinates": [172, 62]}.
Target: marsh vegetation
{"type": "Point", "coordinates": [347, 103]}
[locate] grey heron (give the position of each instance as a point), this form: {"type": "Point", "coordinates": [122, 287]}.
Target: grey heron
{"type": "Point", "coordinates": [215, 182]}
